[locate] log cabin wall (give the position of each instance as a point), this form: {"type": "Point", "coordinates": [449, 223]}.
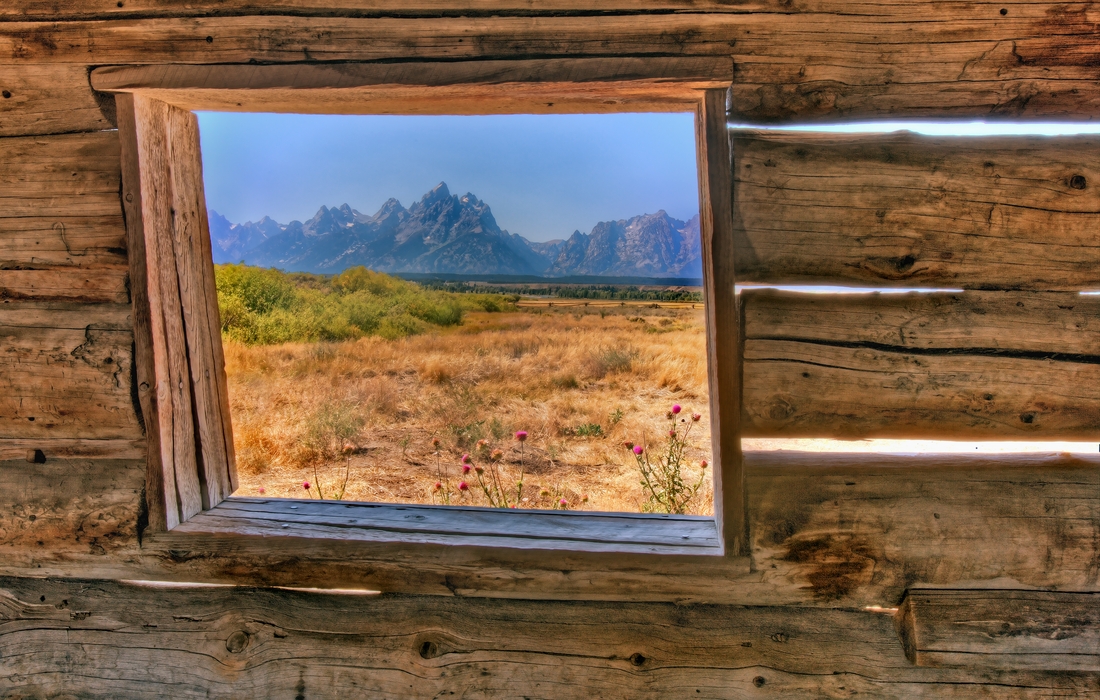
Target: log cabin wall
{"type": "Point", "coordinates": [992, 564]}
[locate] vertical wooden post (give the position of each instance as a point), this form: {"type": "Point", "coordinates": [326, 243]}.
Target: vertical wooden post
{"type": "Point", "coordinates": [160, 480]}
{"type": "Point", "coordinates": [181, 370]}
{"type": "Point", "coordinates": [723, 318]}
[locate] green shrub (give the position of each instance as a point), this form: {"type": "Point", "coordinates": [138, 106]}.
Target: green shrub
{"type": "Point", "coordinates": [262, 306]}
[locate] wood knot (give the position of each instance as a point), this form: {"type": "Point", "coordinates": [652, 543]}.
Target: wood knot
{"type": "Point", "coordinates": [429, 650]}
{"type": "Point", "coordinates": [1078, 182]}
{"type": "Point", "coordinates": [36, 456]}
{"type": "Point", "coordinates": [637, 659]}
{"type": "Point", "coordinates": [780, 637]}
{"type": "Point", "coordinates": [758, 681]}
{"type": "Point", "coordinates": [237, 642]}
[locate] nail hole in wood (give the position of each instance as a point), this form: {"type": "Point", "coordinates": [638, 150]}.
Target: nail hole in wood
{"type": "Point", "coordinates": [1004, 11]}
{"type": "Point", "coordinates": [36, 456]}
{"type": "Point", "coordinates": [210, 40]}
{"type": "Point", "coordinates": [6, 94]}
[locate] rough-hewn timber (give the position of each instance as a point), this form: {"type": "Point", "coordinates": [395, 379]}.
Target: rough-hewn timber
{"type": "Point", "coordinates": [975, 365]}
{"type": "Point", "coordinates": [65, 372]}
{"type": "Point", "coordinates": [826, 531]}
{"type": "Point", "coordinates": [61, 231]}
{"type": "Point", "coordinates": [965, 59]}
{"type": "Point", "coordinates": [1003, 629]}
{"type": "Point", "coordinates": [98, 639]}
{"type": "Point", "coordinates": [916, 211]}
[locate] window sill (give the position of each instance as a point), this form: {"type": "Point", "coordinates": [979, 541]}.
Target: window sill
{"type": "Point", "coordinates": [350, 522]}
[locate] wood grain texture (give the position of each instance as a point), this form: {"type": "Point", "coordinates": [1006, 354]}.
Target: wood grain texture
{"type": "Point", "coordinates": [68, 508]}
{"type": "Point", "coordinates": [325, 523]}
{"type": "Point", "coordinates": [916, 211]}
{"type": "Point", "coordinates": [1005, 629]}
{"type": "Point", "coordinates": [812, 60]}
{"type": "Point", "coordinates": [65, 372]}
{"type": "Point", "coordinates": [61, 231]}
{"type": "Point", "coordinates": [194, 269]}
{"type": "Point", "coordinates": [551, 85]}
{"type": "Point", "coordinates": [159, 498]}
{"type": "Point", "coordinates": [723, 319]}
{"type": "Point", "coordinates": [50, 99]}
{"type": "Point", "coordinates": [169, 343]}
{"type": "Point", "coordinates": [100, 638]}
{"type": "Point", "coordinates": [101, 9]}
{"type": "Point", "coordinates": [976, 365]}
{"type": "Point", "coordinates": [826, 531]}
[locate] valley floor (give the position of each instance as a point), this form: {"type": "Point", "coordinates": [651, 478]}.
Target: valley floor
{"type": "Point", "coordinates": [581, 380]}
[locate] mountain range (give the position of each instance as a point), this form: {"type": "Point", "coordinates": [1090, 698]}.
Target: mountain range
{"type": "Point", "coordinates": [445, 233]}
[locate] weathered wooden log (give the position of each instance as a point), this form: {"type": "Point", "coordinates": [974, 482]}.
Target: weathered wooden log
{"type": "Point", "coordinates": [66, 372]}
{"type": "Point", "coordinates": [966, 60]}
{"type": "Point", "coordinates": [975, 365]}
{"type": "Point", "coordinates": [61, 230]}
{"type": "Point", "coordinates": [1004, 629]}
{"type": "Point", "coordinates": [901, 210]}
{"type": "Point", "coordinates": [50, 98]}
{"type": "Point", "coordinates": [826, 530]}
{"type": "Point", "coordinates": [100, 638]}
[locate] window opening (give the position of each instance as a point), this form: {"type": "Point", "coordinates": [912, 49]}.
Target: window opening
{"type": "Point", "coordinates": [496, 311]}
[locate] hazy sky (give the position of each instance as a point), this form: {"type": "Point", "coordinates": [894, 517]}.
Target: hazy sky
{"type": "Point", "coordinates": [544, 176]}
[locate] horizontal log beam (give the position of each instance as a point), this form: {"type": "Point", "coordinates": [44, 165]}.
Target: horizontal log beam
{"type": "Point", "coordinates": [1003, 629]}
{"type": "Point", "coordinates": [50, 99]}
{"type": "Point", "coordinates": [102, 638]}
{"type": "Point", "coordinates": [819, 61]}
{"type": "Point", "coordinates": [66, 372]}
{"type": "Point", "coordinates": [825, 530]}
{"type": "Point", "coordinates": [61, 228]}
{"type": "Point", "coordinates": [916, 211]}
{"type": "Point", "coordinates": [976, 365]}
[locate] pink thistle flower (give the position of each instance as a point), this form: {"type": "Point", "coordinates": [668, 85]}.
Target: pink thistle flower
{"type": "Point", "coordinates": [512, 506]}
{"type": "Point", "coordinates": [703, 464]}
{"type": "Point", "coordinates": [438, 486]}
{"type": "Point", "coordinates": [479, 469]}
{"type": "Point", "coordinates": [563, 502]}
{"type": "Point", "coordinates": [675, 408]}
{"type": "Point", "coordinates": [305, 485]}
{"type": "Point", "coordinates": [696, 416]}
{"type": "Point", "coordinates": [463, 486]}
{"type": "Point", "coordinates": [638, 449]}
{"type": "Point", "coordinates": [584, 498]}
{"type": "Point", "coordinates": [465, 468]}
{"type": "Point", "coordinates": [672, 433]}
{"type": "Point", "coordinates": [465, 458]}
{"type": "Point", "coordinates": [521, 435]}
{"type": "Point", "coordinates": [435, 442]}
{"type": "Point", "coordinates": [262, 489]}
{"type": "Point", "coordinates": [349, 448]}
{"type": "Point", "coordinates": [628, 445]}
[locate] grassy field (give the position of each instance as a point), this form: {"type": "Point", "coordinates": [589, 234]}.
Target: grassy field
{"type": "Point", "coordinates": [580, 381]}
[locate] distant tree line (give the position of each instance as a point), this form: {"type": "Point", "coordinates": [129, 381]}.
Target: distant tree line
{"type": "Point", "coordinates": [569, 291]}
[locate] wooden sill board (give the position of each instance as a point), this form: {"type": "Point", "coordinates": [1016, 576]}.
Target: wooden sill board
{"type": "Point", "coordinates": [631, 533]}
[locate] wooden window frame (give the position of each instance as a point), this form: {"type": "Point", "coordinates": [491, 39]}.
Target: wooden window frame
{"type": "Point", "coordinates": [180, 367]}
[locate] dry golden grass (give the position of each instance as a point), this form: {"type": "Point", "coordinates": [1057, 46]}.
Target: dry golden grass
{"type": "Point", "coordinates": [308, 412]}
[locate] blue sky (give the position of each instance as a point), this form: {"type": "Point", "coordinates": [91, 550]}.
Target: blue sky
{"type": "Point", "coordinates": [544, 176]}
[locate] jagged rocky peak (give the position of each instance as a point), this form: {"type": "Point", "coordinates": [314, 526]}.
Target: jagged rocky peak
{"type": "Point", "coordinates": [446, 233]}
